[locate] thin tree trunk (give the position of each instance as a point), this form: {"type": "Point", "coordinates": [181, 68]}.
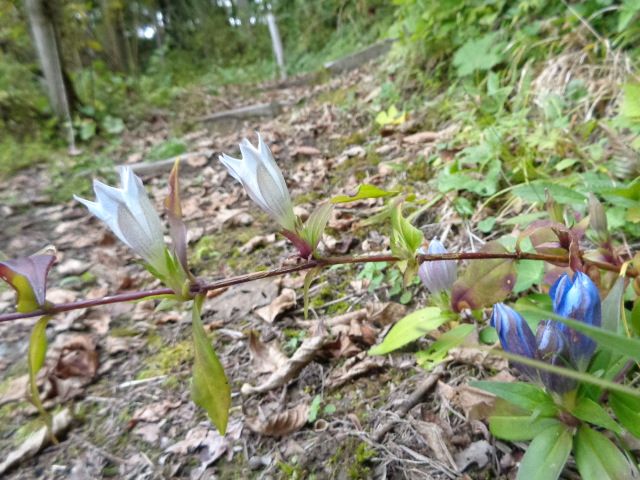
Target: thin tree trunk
{"type": "Point", "coordinates": [48, 51]}
{"type": "Point", "coordinates": [276, 43]}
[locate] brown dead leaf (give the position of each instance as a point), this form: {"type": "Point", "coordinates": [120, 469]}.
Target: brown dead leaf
{"type": "Point", "coordinates": [305, 151]}
{"type": "Point", "coordinates": [280, 424]}
{"type": "Point", "coordinates": [241, 299]}
{"type": "Point", "coordinates": [37, 440]}
{"type": "Point", "coordinates": [266, 358]}
{"type": "Point", "coordinates": [354, 368]}
{"type": "Point", "coordinates": [155, 411]}
{"type": "Point", "coordinates": [386, 313]}
{"type": "Point", "coordinates": [209, 444]}
{"type": "Point", "coordinates": [257, 242]}
{"type": "Point", "coordinates": [78, 358]}
{"type": "Point", "coordinates": [475, 403]}
{"type": "Point", "coordinates": [15, 391]}
{"type": "Point", "coordinates": [285, 301]}
{"type": "Point", "coordinates": [435, 438]}
{"type": "Point", "coordinates": [301, 358]}
{"type": "Point", "coordinates": [421, 137]}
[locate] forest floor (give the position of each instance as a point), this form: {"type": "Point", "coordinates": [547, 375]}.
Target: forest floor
{"type": "Point", "coordinates": [123, 371]}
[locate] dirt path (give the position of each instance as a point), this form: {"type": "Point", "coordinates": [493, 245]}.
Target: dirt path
{"type": "Point", "coordinates": [124, 370]}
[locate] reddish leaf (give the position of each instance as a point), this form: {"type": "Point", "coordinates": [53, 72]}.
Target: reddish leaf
{"type": "Point", "coordinates": [177, 228]}
{"type": "Point", "coordinates": [28, 277]}
{"type": "Point", "coordinates": [484, 282]}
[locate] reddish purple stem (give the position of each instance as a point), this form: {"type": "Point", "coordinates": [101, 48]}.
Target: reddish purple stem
{"type": "Point", "coordinates": [206, 287]}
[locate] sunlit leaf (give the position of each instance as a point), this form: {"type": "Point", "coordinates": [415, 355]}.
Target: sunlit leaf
{"type": "Point", "coordinates": [37, 354]}
{"type": "Point", "coordinates": [364, 191]}
{"type": "Point", "coordinates": [484, 282]}
{"type": "Point", "coordinates": [315, 224]}
{"type": "Point", "coordinates": [210, 387]}
{"type": "Point", "coordinates": [439, 349]}
{"type": "Point", "coordinates": [410, 328]}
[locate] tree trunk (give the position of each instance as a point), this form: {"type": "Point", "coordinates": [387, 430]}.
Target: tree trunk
{"type": "Point", "coordinates": [48, 51]}
{"type": "Point", "coordinates": [276, 43]}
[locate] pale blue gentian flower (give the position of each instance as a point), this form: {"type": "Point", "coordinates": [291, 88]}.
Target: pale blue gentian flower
{"type": "Point", "coordinates": [262, 179]}
{"type": "Point", "coordinates": [129, 214]}
{"type": "Point", "coordinates": [439, 275]}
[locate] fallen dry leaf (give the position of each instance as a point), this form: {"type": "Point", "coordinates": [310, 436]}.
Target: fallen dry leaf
{"type": "Point", "coordinates": [303, 355]}
{"type": "Point", "coordinates": [421, 137]}
{"type": "Point", "coordinates": [155, 411]}
{"type": "Point", "coordinates": [283, 302]}
{"type": "Point", "coordinates": [479, 452]}
{"type": "Point", "coordinates": [37, 440]}
{"type": "Point", "coordinates": [305, 151]}
{"type": "Point", "coordinates": [16, 390]}
{"type": "Point", "coordinates": [354, 368]}
{"type": "Point", "coordinates": [78, 358]}
{"type": "Point", "coordinates": [435, 438]}
{"type": "Point", "coordinates": [266, 358]}
{"type": "Point", "coordinates": [257, 242]}
{"type": "Point", "coordinates": [280, 424]}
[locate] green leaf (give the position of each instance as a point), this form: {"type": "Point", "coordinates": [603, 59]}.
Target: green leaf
{"type": "Point", "coordinates": [484, 282]}
{"type": "Point", "coordinates": [612, 307]}
{"type": "Point", "coordinates": [479, 54]}
{"type": "Point", "coordinates": [315, 224]}
{"type": "Point", "coordinates": [631, 102]}
{"type": "Point", "coordinates": [535, 192]}
{"type": "Point", "coordinates": [599, 459]}
{"type": "Point", "coordinates": [308, 279]}
{"type": "Point", "coordinates": [210, 387]}
{"type": "Point", "coordinates": [518, 428]}
{"type": "Point", "coordinates": [410, 328]}
{"type": "Point", "coordinates": [611, 340]}
{"type": "Point", "coordinates": [627, 410]}
{"type": "Point", "coordinates": [589, 411]}
{"type": "Point", "coordinates": [528, 274]}
{"type": "Point", "coordinates": [37, 354]}
{"type": "Point", "coordinates": [439, 349]}
{"type": "Point", "coordinates": [524, 395]}
{"type": "Point", "coordinates": [314, 408]}
{"type": "Point", "coordinates": [405, 238]}
{"type": "Point", "coordinates": [547, 454]}
{"type": "Point", "coordinates": [364, 191]}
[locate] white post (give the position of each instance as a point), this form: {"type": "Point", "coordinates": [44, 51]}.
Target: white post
{"type": "Point", "coordinates": [276, 43]}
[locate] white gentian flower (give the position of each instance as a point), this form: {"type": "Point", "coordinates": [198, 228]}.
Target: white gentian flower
{"type": "Point", "coordinates": [263, 181]}
{"type": "Point", "coordinates": [438, 275]}
{"type": "Point", "coordinates": [128, 212]}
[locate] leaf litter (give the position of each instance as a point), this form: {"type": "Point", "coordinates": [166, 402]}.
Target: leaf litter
{"type": "Point", "coordinates": [127, 367]}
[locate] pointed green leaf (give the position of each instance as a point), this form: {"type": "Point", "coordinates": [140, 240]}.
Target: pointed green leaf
{"type": "Point", "coordinates": [611, 307]}
{"type": "Point", "coordinates": [484, 282]}
{"type": "Point", "coordinates": [547, 454]}
{"type": "Point", "coordinates": [405, 238]}
{"type": "Point", "coordinates": [524, 395]}
{"type": "Point", "coordinates": [439, 349]}
{"type": "Point", "coordinates": [627, 410]}
{"type": "Point", "coordinates": [518, 428]}
{"type": "Point", "coordinates": [37, 354]}
{"type": "Point", "coordinates": [210, 387]}
{"type": "Point", "coordinates": [410, 328]}
{"type": "Point", "coordinates": [315, 224]}
{"type": "Point", "coordinates": [364, 191]}
{"type": "Point", "coordinates": [599, 459]}
{"type": "Point", "coordinates": [589, 411]}
{"type": "Point", "coordinates": [308, 279]}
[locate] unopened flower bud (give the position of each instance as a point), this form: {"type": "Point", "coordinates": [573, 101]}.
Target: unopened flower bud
{"type": "Point", "coordinates": [437, 275]}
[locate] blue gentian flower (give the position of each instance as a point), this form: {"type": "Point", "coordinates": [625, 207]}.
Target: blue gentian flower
{"type": "Point", "coordinates": [580, 300]}
{"type": "Point", "coordinates": [554, 342]}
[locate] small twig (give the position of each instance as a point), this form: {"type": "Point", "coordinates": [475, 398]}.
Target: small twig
{"type": "Point", "coordinates": [424, 388]}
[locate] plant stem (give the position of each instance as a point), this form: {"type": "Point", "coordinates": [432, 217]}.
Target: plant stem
{"type": "Point", "coordinates": [200, 287]}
